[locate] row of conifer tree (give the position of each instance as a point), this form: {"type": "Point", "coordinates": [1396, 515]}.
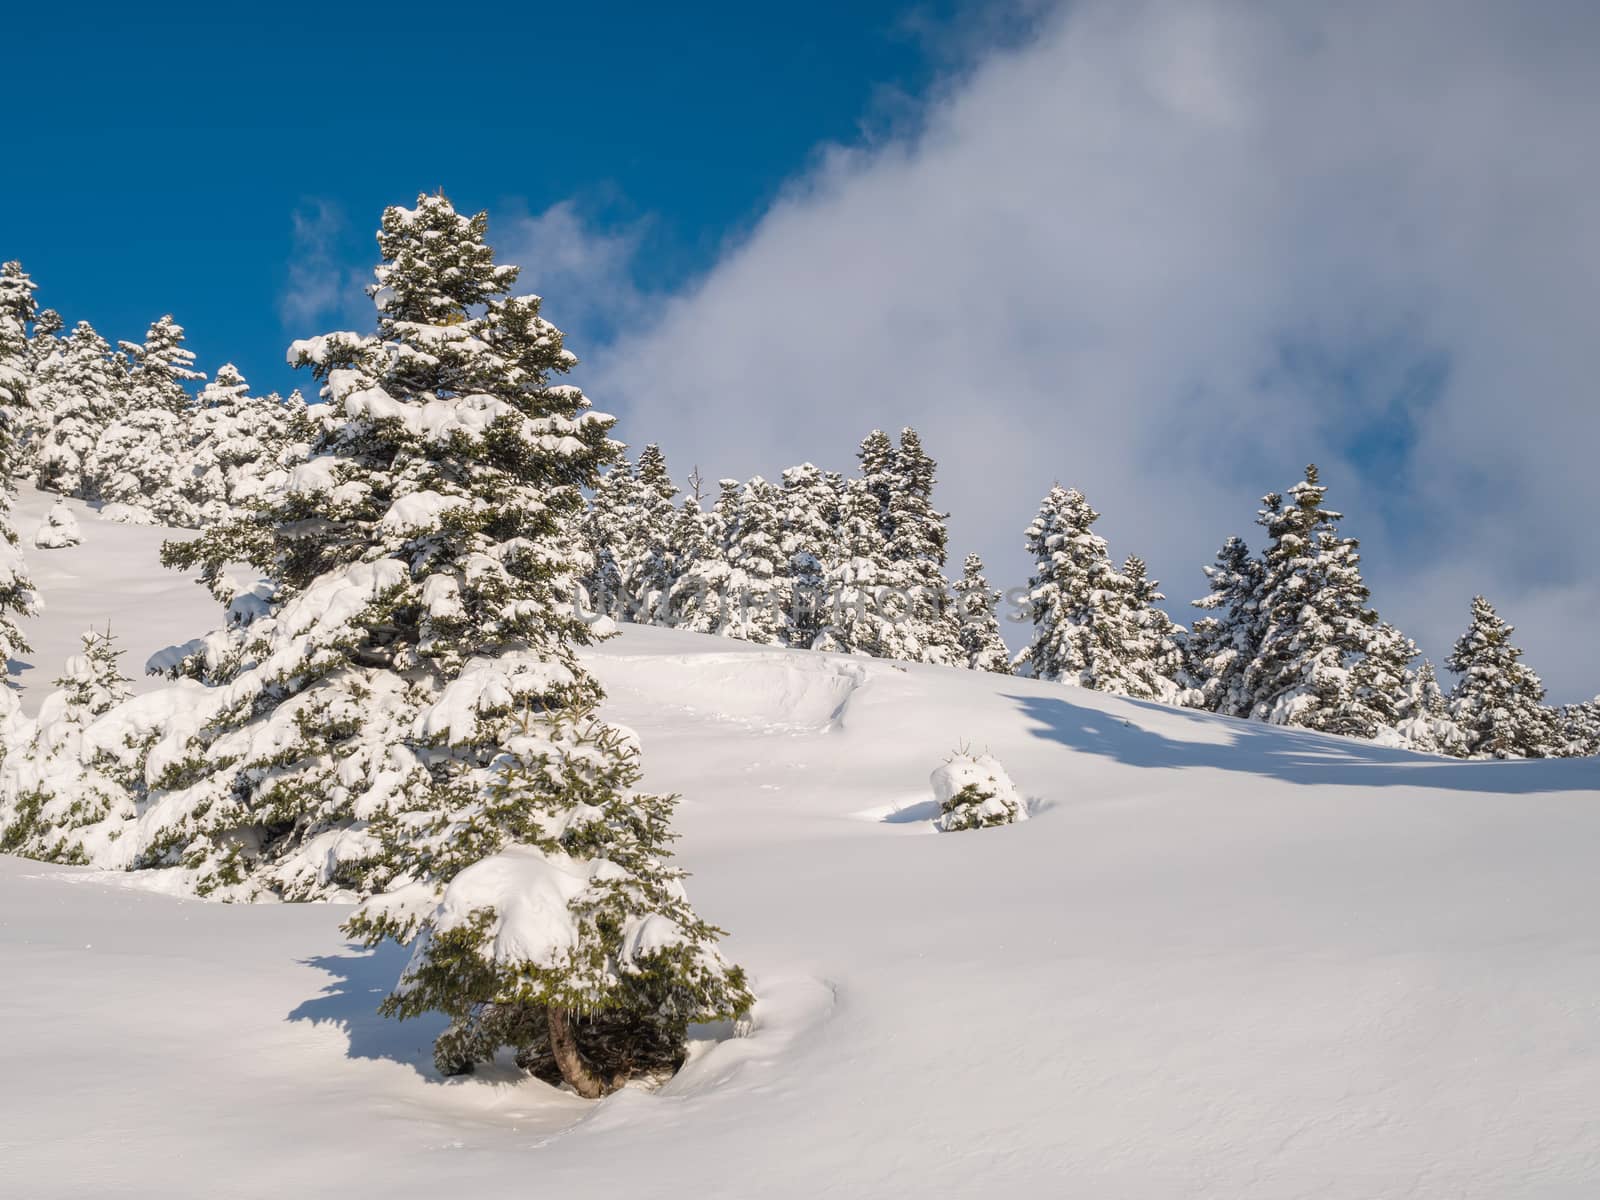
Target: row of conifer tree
{"type": "Point", "coordinates": [857, 565]}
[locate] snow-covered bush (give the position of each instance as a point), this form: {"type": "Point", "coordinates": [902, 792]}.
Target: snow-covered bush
{"type": "Point", "coordinates": [974, 792]}
{"type": "Point", "coordinates": [59, 529]}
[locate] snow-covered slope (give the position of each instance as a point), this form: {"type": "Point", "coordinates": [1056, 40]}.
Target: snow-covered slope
{"type": "Point", "coordinates": [1220, 960]}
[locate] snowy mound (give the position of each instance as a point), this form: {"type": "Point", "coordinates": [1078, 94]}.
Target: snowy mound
{"type": "Point", "coordinates": [757, 688]}
{"type": "Point", "coordinates": [974, 791]}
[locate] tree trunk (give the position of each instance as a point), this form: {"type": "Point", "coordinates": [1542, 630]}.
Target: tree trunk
{"type": "Point", "coordinates": [575, 1068]}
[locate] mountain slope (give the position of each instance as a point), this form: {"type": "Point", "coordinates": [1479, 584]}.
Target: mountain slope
{"type": "Point", "coordinates": [1221, 960]}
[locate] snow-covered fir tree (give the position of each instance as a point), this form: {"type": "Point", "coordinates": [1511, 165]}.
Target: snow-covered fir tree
{"type": "Point", "coordinates": [760, 582]}
{"type": "Point", "coordinates": [607, 525]}
{"type": "Point", "coordinates": [1578, 729]}
{"type": "Point", "coordinates": [1152, 647]}
{"type": "Point", "coordinates": [702, 592]}
{"type": "Point", "coordinates": [240, 447]}
{"type": "Point", "coordinates": [1380, 681]}
{"type": "Point", "coordinates": [1498, 702]}
{"type": "Point", "coordinates": [18, 597]}
{"type": "Point", "coordinates": [982, 648]}
{"type": "Point", "coordinates": [1315, 619]}
{"type": "Point", "coordinates": [17, 312]}
{"type": "Point", "coordinates": [64, 783]}
{"type": "Point", "coordinates": [916, 550]}
{"type": "Point", "coordinates": [133, 459]}
{"type": "Point", "coordinates": [1422, 718]}
{"type": "Point", "coordinates": [401, 712]}
{"type": "Point", "coordinates": [83, 390]}
{"type": "Point", "coordinates": [858, 603]}
{"type": "Point", "coordinates": [651, 563]}
{"type": "Point", "coordinates": [1079, 603]}
{"type": "Point", "coordinates": [808, 520]}
{"type": "Point", "coordinates": [1222, 645]}
{"type": "Point", "coordinates": [59, 529]}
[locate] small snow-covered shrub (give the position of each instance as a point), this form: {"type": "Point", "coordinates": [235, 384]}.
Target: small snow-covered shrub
{"type": "Point", "coordinates": [59, 529]}
{"type": "Point", "coordinates": [974, 792]}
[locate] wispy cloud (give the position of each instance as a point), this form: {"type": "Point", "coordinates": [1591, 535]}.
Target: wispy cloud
{"type": "Point", "coordinates": [319, 283]}
{"type": "Point", "coordinates": [1170, 252]}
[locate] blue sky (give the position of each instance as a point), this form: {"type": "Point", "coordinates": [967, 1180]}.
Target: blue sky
{"type": "Point", "coordinates": [1167, 251]}
{"type": "Point", "coordinates": [165, 150]}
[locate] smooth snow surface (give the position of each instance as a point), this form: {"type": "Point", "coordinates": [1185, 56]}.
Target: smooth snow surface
{"type": "Point", "coordinates": [1222, 960]}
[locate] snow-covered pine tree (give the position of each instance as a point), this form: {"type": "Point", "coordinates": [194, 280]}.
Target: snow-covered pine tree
{"type": "Point", "coordinates": [607, 528]}
{"type": "Point", "coordinates": [761, 586]}
{"type": "Point", "coordinates": [1151, 646]}
{"type": "Point", "coordinates": [240, 447]}
{"type": "Point", "coordinates": [1315, 619]}
{"type": "Point", "coordinates": [982, 648]}
{"type": "Point", "coordinates": [1422, 717]}
{"type": "Point", "coordinates": [651, 562]}
{"type": "Point", "coordinates": [1380, 680]}
{"type": "Point", "coordinates": [63, 785]}
{"type": "Point", "coordinates": [133, 458]}
{"type": "Point", "coordinates": [1077, 599]}
{"type": "Point", "coordinates": [1221, 646]}
{"type": "Point", "coordinates": [858, 608]}
{"type": "Point", "coordinates": [1498, 702]}
{"type": "Point", "coordinates": [82, 390]}
{"type": "Point", "coordinates": [702, 593]}
{"type": "Point", "coordinates": [1578, 729]}
{"type": "Point", "coordinates": [916, 550]}
{"type": "Point", "coordinates": [17, 312]}
{"type": "Point", "coordinates": [59, 529]}
{"type": "Point", "coordinates": [18, 597]}
{"type": "Point", "coordinates": [405, 713]}
{"type": "Point", "coordinates": [809, 520]}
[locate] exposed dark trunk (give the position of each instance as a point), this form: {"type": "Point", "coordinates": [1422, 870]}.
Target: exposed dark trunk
{"type": "Point", "coordinates": [575, 1068]}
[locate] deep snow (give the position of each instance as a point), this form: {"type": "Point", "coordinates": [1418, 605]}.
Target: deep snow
{"type": "Point", "coordinates": [1220, 960]}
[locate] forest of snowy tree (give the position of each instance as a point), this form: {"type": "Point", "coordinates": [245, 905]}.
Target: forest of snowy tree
{"type": "Point", "coordinates": [855, 564]}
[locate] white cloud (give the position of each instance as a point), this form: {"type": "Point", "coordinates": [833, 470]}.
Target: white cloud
{"type": "Point", "coordinates": [1171, 252]}
{"type": "Point", "coordinates": [319, 283]}
{"type": "Point", "coordinates": [588, 270]}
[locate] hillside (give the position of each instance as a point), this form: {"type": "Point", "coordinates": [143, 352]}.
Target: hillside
{"type": "Point", "coordinates": [1223, 959]}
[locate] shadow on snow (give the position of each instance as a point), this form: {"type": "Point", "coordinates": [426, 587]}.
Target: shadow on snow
{"type": "Point", "coordinates": [1291, 755]}
{"type": "Point", "coordinates": [360, 981]}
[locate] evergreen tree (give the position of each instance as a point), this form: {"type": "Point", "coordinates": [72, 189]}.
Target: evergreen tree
{"type": "Point", "coordinates": [1221, 648]}
{"type": "Point", "coordinates": [916, 543]}
{"type": "Point", "coordinates": [808, 520]}
{"type": "Point", "coordinates": [982, 648]}
{"type": "Point", "coordinates": [132, 462]}
{"type": "Point", "coordinates": [1077, 599]}
{"type": "Point", "coordinates": [159, 367]}
{"type": "Point", "coordinates": [404, 715]}
{"type": "Point", "coordinates": [18, 598]}
{"type": "Point", "coordinates": [65, 785]}
{"type": "Point", "coordinates": [760, 589]}
{"type": "Point", "coordinates": [858, 613]}
{"type": "Point", "coordinates": [17, 311]}
{"type": "Point", "coordinates": [1578, 729]}
{"type": "Point", "coordinates": [1498, 702]}
{"type": "Point", "coordinates": [1314, 618]}
{"type": "Point", "coordinates": [1423, 716]}
{"type": "Point", "coordinates": [701, 595]}
{"type": "Point", "coordinates": [607, 536]}
{"type": "Point", "coordinates": [974, 792]}
{"type": "Point", "coordinates": [82, 389]}
{"type": "Point", "coordinates": [240, 448]}
{"type": "Point", "coordinates": [1149, 642]}
{"type": "Point", "coordinates": [651, 563]}
{"type": "Point", "coordinates": [1380, 681]}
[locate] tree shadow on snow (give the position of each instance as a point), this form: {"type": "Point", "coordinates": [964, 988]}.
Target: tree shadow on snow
{"type": "Point", "coordinates": [1289, 755]}
{"type": "Point", "coordinates": [360, 981]}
